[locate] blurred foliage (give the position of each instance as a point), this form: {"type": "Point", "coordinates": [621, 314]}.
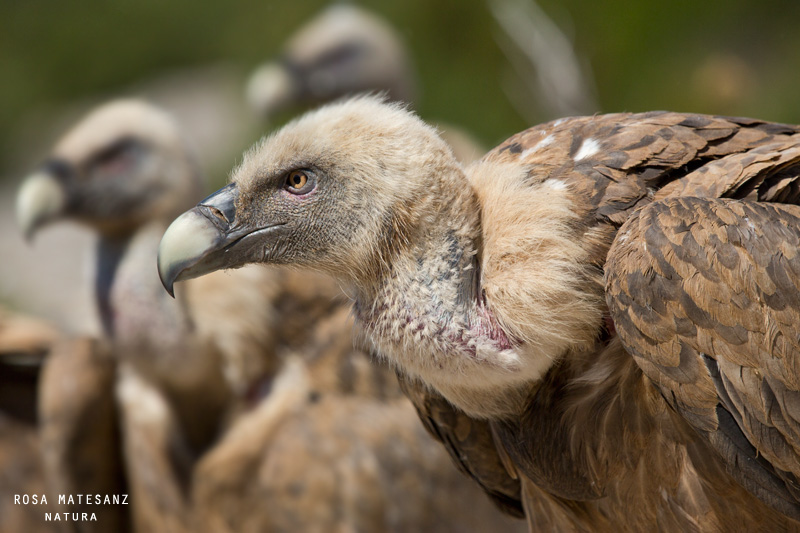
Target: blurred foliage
{"type": "Point", "coordinates": [718, 56]}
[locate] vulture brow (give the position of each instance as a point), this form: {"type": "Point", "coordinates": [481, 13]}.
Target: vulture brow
{"type": "Point", "coordinates": [276, 175]}
{"type": "Point", "coordinates": [115, 149]}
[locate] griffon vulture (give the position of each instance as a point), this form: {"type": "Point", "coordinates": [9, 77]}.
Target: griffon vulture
{"type": "Point", "coordinates": [343, 50]}
{"type": "Point", "coordinates": [599, 319]}
{"type": "Point", "coordinates": [124, 171]}
{"type": "Point", "coordinates": [244, 405]}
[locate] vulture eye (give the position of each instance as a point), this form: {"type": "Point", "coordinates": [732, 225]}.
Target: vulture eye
{"type": "Point", "coordinates": [298, 182]}
{"type": "Point", "coordinates": [117, 158]}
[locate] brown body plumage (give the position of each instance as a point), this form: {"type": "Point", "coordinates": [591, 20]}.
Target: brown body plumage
{"type": "Point", "coordinates": [79, 431]}
{"type": "Point", "coordinates": [243, 405]}
{"type": "Point", "coordinates": [646, 385]}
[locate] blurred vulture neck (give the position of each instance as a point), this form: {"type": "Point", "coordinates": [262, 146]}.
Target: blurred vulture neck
{"type": "Point", "coordinates": [110, 251]}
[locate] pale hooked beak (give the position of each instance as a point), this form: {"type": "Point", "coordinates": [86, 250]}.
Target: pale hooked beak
{"type": "Point", "coordinates": [40, 199]}
{"type": "Point", "coordinates": [209, 238]}
{"type": "Point", "coordinates": [269, 89]}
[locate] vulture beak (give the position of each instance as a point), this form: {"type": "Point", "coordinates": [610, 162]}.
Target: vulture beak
{"type": "Point", "coordinates": [40, 199]}
{"type": "Point", "coordinates": [270, 89]}
{"type": "Point", "coordinates": [209, 238]}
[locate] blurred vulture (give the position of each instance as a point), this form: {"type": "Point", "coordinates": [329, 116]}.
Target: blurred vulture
{"type": "Point", "coordinates": [599, 319]}
{"type": "Point", "coordinates": [344, 50]}
{"type": "Point", "coordinates": [243, 405]}
{"type": "Point", "coordinates": [341, 52]}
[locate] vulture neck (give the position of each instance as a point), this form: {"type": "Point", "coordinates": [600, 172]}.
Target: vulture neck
{"type": "Point", "coordinates": [110, 251]}
{"type": "Point", "coordinates": [430, 254]}
{"type": "Point", "coordinates": [116, 241]}
{"type": "Point", "coordinates": [431, 242]}
{"type": "Point", "coordinates": [425, 311]}
{"type": "Point", "coordinates": [122, 277]}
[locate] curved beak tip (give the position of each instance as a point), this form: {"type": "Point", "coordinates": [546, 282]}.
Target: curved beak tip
{"type": "Point", "coordinates": [168, 282]}
{"type": "Point", "coordinates": [40, 199]}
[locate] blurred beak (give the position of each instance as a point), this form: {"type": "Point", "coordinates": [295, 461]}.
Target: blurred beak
{"type": "Point", "coordinates": [209, 238]}
{"type": "Point", "coordinates": [270, 89]}
{"type": "Point", "coordinates": [40, 199]}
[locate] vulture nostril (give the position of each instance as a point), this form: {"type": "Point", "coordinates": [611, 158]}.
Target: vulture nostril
{"type": "Point", "coordinates": [219, 214]}
{"type": "Point", "coordinates": [222, 203]}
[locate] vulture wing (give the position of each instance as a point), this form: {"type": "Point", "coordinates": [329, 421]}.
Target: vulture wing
{"type": "Point", "coordinates": [616, 161]}
{"type": "Point", "coordinates": [705, 295]}
{"type": "Point", "coordinates": [612, 165]}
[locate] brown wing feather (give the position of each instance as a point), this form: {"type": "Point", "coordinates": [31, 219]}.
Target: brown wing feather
{"type": "Point", "coordinates": [704, 293]}
{"type": "Point", "coordinates": [470, 444]}
{"type": "Point", "coordinates": [769, 172]}
{"type": "Point", "coordinates": [615, 161]}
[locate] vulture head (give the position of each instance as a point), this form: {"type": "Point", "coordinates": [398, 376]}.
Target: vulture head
{"type": "Point", "coordinates": [344, 50]}
{"type": "Point", "coordinates": [335, 190]}
{"type": "Point", "coordinates": [122, 166]}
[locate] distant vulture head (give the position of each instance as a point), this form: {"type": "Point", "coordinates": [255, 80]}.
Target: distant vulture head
{"type": "Point", "coordinates": [336, 190]}
{"type": "Point", "coordinates": [125, 164]}
{"type": "Point", "coordinates": [345, 50]}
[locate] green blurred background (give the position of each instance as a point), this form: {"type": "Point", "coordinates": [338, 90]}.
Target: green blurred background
{"type": "Point", "coordinates": [720, 56]}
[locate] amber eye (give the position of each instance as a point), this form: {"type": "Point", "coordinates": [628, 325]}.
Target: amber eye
{"type": "Point", "coordinates": [298, 182]}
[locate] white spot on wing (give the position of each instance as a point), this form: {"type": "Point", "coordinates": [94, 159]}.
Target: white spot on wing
{"type": "Point", "coordinates": [587, 149]}
{"type": "Point", "coordinates": [553, 183]}
{"type": "Point", "coordinates": [541, 144]}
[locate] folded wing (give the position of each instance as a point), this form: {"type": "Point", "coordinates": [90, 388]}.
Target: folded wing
{"type": "Point", "coordinates": [705, 294]}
